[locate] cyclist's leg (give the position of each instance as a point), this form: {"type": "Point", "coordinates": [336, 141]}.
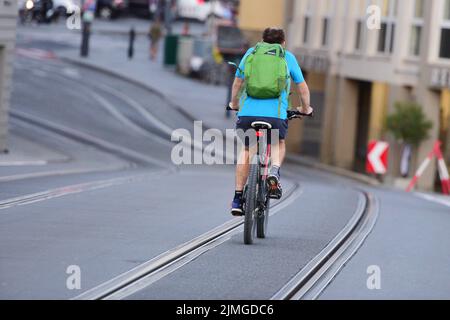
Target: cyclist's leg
{"type": "Point", "coordinates": [242, 169]}
{"type": "Point", "coordinates": [247, 137]}
{"type": "Point", "coordinates": [278, 153]}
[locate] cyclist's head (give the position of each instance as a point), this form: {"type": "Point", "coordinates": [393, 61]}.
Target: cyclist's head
{"type": "Point", "coordinates": [274, 35]}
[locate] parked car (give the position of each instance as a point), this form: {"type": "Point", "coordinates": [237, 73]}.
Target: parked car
{"type": "Point", "coordinates": [110, 9]}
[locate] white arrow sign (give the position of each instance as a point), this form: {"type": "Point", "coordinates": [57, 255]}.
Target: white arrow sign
{"type": "Point", "coordinates": [375, 157]}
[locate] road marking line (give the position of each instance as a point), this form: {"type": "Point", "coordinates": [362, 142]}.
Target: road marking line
{"type": "Point", "coordinates": [22, 163]}
{"type": "Point", "coordinates": [34, 175]}
{"type": "Point", "coordinates": [35, 53]}
{"type": "Point", "coordinates": [433, 199]}
{"type": "Point", "coordinates": [66, 190]}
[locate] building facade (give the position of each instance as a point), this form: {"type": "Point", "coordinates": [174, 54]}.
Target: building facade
{"type": "Point", "coordinates": [357, 73]}
{"type": "Point", "coordinates": [256, 15]}
{"type": "Point", "coordinates": [8, 16]}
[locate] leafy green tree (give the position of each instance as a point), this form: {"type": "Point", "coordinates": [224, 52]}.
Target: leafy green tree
{"type": "Point", "coordinates": [408, 123]}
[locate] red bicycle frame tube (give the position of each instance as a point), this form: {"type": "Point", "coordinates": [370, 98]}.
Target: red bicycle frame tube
{"type": "Point", "coordinates": [260, 134]}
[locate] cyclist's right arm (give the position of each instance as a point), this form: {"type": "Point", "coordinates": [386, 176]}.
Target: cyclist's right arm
{"type": "Point", "coordinates": [237, 86]}
{"type": "Point", "coordinates": [238, 82]}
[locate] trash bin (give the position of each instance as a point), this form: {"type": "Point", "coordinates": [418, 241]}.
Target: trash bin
{"type": "Point", "coordinates": [170, 50]}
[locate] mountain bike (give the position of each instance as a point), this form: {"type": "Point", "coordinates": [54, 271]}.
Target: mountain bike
{"type": "Point", "coordinates": [256, 192]}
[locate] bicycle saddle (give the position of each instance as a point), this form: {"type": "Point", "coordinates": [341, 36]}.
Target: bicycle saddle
{"type": "Point", "coordinates": [261, 125]}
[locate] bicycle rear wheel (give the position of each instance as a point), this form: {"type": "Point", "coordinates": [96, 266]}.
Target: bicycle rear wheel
{"type": "Point", "coordinates": [250, 206]}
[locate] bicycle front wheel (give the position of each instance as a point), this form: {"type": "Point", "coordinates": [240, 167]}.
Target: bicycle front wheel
{"type": "Point", "coordinates": [251, 204]}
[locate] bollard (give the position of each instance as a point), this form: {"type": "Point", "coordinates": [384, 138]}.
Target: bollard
{"type": "Point", "coordinates": [131, 43]}
{"type": "Point", "coordinates": [85, 39]}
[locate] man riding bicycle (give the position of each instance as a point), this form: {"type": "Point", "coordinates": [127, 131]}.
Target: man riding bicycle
{"type": "Point", "coordinates": [256, 105]}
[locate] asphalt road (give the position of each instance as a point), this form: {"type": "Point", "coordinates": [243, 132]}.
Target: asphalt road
{"type": "Point", "coordinates": [117, 201]}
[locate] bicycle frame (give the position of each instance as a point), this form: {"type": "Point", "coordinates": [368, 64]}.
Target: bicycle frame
{"type": "Point", "coordinates": [256, 191]}
{"type": "Point", "coordinates": [263, 163]}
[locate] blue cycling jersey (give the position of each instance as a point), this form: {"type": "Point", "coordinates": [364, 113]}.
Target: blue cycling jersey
{"type": "Point", "coordinates": [251, 107]}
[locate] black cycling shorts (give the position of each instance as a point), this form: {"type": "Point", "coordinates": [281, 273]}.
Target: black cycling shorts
{"type": "Point", "coordinates": [244, 124]}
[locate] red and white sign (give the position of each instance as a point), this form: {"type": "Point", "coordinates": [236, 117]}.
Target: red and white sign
{"type": "Point", "coordinates": [377, 157]}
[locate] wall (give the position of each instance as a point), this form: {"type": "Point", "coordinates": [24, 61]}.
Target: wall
{"type": "Point", "coordinates": [255, 15]}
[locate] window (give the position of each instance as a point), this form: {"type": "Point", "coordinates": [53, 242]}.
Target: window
{"type": "Point", "coordinates": [447, 10]}
{"type": "Point", "coordinates": [382, 37]}
{"type": "Point", "coordinates": [325, 24]}
{"type": "Point", "coordinates": [445, 44]}
{"type": "Point", "coordinates": [360, 27]}
{"type": "Point", "coordinates": [328, 11]}
{"type": "Point", "coordinates": [306, 30]}
{"type": "Point", "coordinates": [444, 51]}
{"type": "Point", "coordinates": [307, 22]}
{"type": "Point", "coordinates": [419, 9]}
{"type": "Point", "coordinates": [387, 32]}
{"type": "Point", "coordinates": [391, 45]}
{"type": "Point", "coordinates": [416, 35]}
{"type": "Point", "coordinates": [359, 34]}
{"type": "Point", "coordinates": [416, 29]}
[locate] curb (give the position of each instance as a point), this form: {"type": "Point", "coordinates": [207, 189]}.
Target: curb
{"type": "Point", "coordinates": [291, 157]}
{"type": "Point", "coordinates": [312, 163]}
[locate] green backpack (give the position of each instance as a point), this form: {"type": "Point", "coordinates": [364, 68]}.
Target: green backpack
{"type": "Point", "coordinates": [266, 71]}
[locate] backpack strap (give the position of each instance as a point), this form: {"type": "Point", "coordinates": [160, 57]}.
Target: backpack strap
{"type": "Point", "coordinates": [256, 47]}
{"type": "Point", "coordinates": [287, 89]}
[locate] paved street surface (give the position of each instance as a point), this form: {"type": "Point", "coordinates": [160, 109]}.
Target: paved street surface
{"type": "Point", "coordinates": [89, 182]}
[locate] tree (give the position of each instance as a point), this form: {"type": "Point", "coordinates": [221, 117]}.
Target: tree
{"type": "Point", "coordinates": [409, 124]}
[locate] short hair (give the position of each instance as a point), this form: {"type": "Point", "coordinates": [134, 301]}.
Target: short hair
{"type": "Point", "coordinates": [274, 35]}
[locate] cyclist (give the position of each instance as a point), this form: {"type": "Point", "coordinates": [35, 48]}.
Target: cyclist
{"type": "Point", "coordinates": [273, 111]}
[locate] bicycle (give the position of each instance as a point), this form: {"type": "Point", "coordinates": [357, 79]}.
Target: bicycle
{"type": "Point", "coordinates": [256, 194]}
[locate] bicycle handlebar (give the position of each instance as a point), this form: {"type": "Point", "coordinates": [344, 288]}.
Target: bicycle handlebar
{"type": "Point", "coordinates": [297, 114]}
{"type": "Point", "coordinates": [290, 113]}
